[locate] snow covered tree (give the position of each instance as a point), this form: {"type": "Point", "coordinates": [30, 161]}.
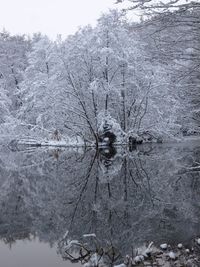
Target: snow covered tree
{"type": "Point", "coordinates": [13, 62]}
{"type": "Point", "coordinates": [106, 73]}
{"type": "Point", "coordinates": [130, 79]}
{"type": "Point", "coordinates": [173, 26]}
{"type": "Point", "coordinates": [154, 6]}
{"type": "Point", "coordinates": [5, 104]}
{"type": "Point", "coordinates": [40, 92]}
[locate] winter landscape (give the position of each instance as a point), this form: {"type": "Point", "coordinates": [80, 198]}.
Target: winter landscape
{"type": "Point", "coordinates": [100, 139]}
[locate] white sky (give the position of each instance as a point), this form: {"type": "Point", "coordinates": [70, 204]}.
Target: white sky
{"type": "Point", "coordinates": [50, 17]}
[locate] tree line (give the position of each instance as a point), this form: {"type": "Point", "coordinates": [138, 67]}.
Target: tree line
{"type": "Point", "coordinates": [134, 79]}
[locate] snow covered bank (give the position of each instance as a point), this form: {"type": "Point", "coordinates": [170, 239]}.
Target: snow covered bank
{"type": "Point", "coordinates": [77, 142]}
{"type": "Point", "coordinates": [70, 142]}
{"type": "Point", "coordinates": [163, 255]}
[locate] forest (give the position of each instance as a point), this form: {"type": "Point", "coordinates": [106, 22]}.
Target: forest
{"type": "Point", "coordinates": [109, 83]}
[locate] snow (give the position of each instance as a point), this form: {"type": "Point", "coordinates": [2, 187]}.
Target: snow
{"type": "Point", "coordinates": [95, 260]}
{"type": "Point", "coordinates": [52, 143]}
{"type": "Point", "coordinates": [120, 265]}
{"type": "Point", "coordinates": [139, 259]}
{"type": "Point", "coordinates": [66, 234]}
{"type": "Point", "coordinates": [106, 120]}
{"type": "Point", "coordinates": [148, 251]}
{"type": "Point", "coordinates": [89, 235]}
{"type": "Point", "coordinates": [145, 251]}
{"type": "Point", "coordinates": [70, 243]}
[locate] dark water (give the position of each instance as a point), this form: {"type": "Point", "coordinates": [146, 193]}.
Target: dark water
{"type": "Point", "coordinates": [124, 198]}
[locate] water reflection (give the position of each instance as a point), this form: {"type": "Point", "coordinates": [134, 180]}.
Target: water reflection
{"type": "Point", "coordinates": [123, 198]}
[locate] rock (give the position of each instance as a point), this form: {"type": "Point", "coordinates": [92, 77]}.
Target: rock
{"type": "Point", "coordinates": [172, 255]}
{"type": "Point", "coordinates": [198, 241]}
{"type": "Point", "coordinates": [180, 246]}
{"type": "Point", "coordinates": [163, 246]}
{"type": "Point", "coordinates": [139, 259]}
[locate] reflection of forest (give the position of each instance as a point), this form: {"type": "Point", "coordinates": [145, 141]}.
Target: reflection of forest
{"type": "Point", "coordinates": [125, 200]}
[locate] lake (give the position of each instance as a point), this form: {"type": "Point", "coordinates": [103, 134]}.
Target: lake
{"type": "Point", "coordinates": [58, 206]}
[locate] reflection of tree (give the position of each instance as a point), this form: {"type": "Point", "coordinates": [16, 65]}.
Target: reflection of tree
{"type": "Point", "coordinates": [138, 198]}
{"type": "Point", "coordinates": [125, 200]}
{"type": "Point", "coordinates": [86, 181]}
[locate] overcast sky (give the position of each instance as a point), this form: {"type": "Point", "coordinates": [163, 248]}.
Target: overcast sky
{"type": "Point", "coordinates": [50, 17]}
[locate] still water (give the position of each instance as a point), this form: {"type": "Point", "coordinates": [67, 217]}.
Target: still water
{"type": "Point", "coordinates": [60, 206]}
{"type": "Point", "coordinates": [30, 253]}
